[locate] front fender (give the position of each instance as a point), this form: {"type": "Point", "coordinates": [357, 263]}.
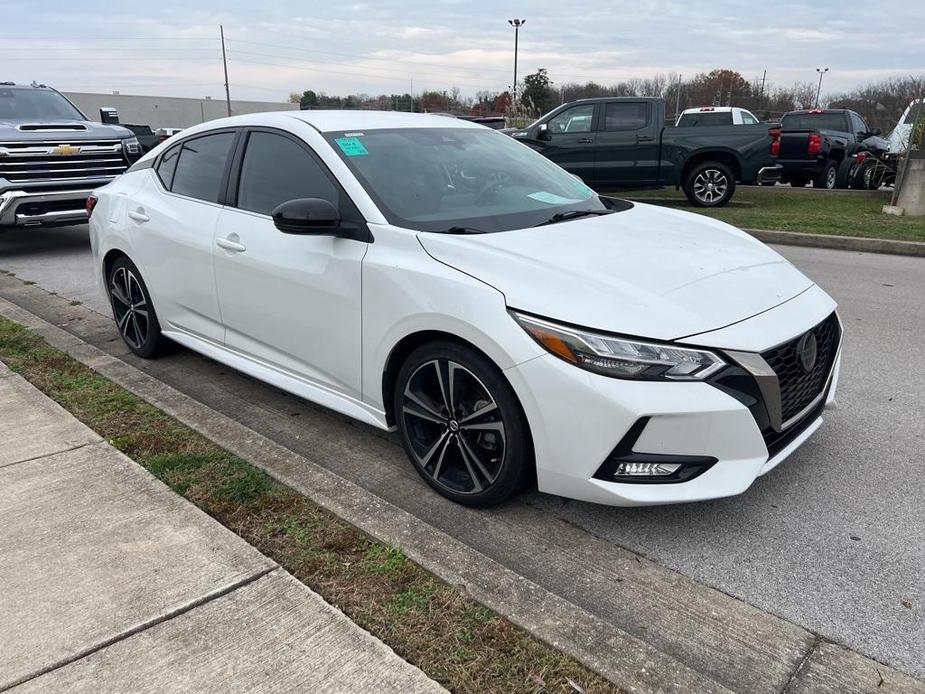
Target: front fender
{"type": "Point", "coordinates": [395, 307]}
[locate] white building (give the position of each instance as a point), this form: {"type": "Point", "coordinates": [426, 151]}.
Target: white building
{"type": "Point", "coordinates": [168, 111]}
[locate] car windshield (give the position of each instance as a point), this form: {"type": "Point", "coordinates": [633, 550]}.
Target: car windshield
{"type": "Point", "coordinates": [461, 179]}
{"type": "Point", "coordinates": [35, 103]}
{"type": "Point", "coordinates": [814, 121]}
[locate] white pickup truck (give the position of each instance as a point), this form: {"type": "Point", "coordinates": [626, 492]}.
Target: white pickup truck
{"type": "Point", "coordinates": [716, 115]}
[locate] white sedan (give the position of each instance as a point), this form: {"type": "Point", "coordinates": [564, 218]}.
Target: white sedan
{"type": "Point", "coordinates": [440, 278]}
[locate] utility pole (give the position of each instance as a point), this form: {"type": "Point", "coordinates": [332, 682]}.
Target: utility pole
{"type": "Point", "coordinates": [516, 23]}
{"type": "Point", "coordinates": [821, 71]}
{"type": "Point", "coordinates": [221, 30]}
{"type": "Point", "coordinates": [677, 100]}
{"type": "Point", "coordinates": [411, 100]}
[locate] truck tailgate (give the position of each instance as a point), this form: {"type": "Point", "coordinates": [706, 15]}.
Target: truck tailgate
{"type": "Point", "coordinates": [794, 144]}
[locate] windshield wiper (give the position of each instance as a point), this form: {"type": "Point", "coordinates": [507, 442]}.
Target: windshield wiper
{"type": "Point", "coordinates": [574, 214]}
{"type": "Point", "coordinates": [463, 230]}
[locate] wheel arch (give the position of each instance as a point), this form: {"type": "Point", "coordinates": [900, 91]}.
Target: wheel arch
{"type": "Point", "coordinates": [722, 156]}
{"type": "Point", "coordinates": [109, 259]}
{"type": "Point", "coordinates": [400, 353]}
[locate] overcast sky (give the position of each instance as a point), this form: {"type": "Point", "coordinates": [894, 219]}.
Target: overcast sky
{"type": "Point", "coordinates": [275, 47]}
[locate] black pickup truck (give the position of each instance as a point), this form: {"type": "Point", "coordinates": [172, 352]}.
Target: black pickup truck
{"type": "Point", "coordinates": [819, 146]}
{"type": "Point", "coordinates": [623, 142]}
{"type": "Point", "coordinates": [52, 156]}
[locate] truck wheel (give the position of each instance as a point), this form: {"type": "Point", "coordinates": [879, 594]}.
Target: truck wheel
{"type": "Point", "coordinates": [798, 182]}
{"type": "Point", "coordinates": [828, 176]}
{"type": "Point", "coordinates": [710, 184]}
{"type": "Point", "coordinates": [843, 173]}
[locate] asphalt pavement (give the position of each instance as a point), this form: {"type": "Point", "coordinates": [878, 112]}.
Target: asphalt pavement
{"type": "Point", "coordinates": [830, 540]}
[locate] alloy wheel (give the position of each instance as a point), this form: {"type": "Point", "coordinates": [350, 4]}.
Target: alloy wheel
{"type": "Point", "coordinates": [830, 177]}
{"type": "Point", "coordinates": [129, 307]}
{"type": "Point", "coordinates": [454, 427]}
{"type": "Point", "coordinates": [710, 185]}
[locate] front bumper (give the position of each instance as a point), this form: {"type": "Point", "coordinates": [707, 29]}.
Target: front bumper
{"type": "Point", "coordinates": [578, 420]}
{"type": "Point", "coordinates": [46, 207]}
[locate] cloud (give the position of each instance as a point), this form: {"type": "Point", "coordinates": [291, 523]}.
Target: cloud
{"type": "Point", "coordinates": [171, 47]}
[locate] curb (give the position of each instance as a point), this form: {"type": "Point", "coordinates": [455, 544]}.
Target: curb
{"type": "Point", "coordinates": [636, 663]}
{"type": "Point", "coordinates": [840, 243]}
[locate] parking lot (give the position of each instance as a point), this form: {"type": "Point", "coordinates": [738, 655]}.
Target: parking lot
{"type": "Point", "coordinates": [830, 540]}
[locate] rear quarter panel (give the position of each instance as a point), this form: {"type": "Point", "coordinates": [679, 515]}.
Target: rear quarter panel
{"type": "Point", "coordinates": [750, 145]}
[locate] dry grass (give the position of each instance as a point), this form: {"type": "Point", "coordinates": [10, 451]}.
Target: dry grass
{"type": "Point", "coordinates": [453, 639]}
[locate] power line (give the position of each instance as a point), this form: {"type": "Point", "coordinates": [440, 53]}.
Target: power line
{"type": "Point", "coordinates": [391, 61]}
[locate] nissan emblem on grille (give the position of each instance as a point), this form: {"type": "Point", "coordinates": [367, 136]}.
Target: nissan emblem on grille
{"type": "Point", "coordinates": [806, 349]}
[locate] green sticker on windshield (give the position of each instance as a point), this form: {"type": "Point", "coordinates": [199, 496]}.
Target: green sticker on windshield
{"type": "Point", "coordinates": [351, 146]}
{"type": "Point", "coordinates": [579, 184]}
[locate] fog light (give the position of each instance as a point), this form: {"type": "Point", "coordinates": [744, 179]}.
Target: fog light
{"type": "Point", "coordinates": [646, 469]}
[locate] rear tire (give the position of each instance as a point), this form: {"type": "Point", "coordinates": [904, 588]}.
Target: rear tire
{"type": "Point", "coordinates": [132, 309]}
{"type": "Point", "coordinates": [827, 178]}
{"type": "Point", "coordinates": [843, 173]}
{"type": "Point", "coordinates": [461, 424]}
{"type": "Point", "coordinates": [710, 184]}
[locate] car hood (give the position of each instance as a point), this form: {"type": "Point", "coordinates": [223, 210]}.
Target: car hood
{"type": "Point", "coordinates": [647, 271]}
{"type": "Point", "coordinates": [71, 131]}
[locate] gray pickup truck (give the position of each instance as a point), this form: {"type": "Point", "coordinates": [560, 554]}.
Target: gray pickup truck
{"type": "Point", "coordinates": [52, 156]}
{"type": "Point", "coordinates": [622, 142]}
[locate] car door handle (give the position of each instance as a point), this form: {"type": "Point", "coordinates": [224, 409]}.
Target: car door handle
{"type": "Point", "coordinates": [230, 245]}
{"type": "Point", "coordinates": [139, 215]}
{"type": "Point", "coordinates": [585, 141]}
{"type": "Point", "coordinates": [644, 138]}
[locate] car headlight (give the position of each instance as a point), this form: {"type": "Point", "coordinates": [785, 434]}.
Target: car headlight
{"type": "Point", "coordinates": [620, 357]}
{"type": "Point", "coordinates": [132, 146]}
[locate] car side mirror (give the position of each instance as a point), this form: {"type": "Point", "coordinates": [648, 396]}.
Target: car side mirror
{"type": "Point", "coordinates": [109, 115]}
{"type": "Point", "coordinates": [542, 132]}
{"type": "Point", "coordinates": [307, 216]}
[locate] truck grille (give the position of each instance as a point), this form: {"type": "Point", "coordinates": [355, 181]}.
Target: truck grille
{"type": "Point", "coordinates": [60, 161]}
{"type": "Point", "coordinates": [797, 387]}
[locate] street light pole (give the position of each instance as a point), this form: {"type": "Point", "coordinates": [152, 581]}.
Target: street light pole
{"type": "Point", "coordinates": [821, 71]}
{"type": "Point", "coordinates": [516, 23]}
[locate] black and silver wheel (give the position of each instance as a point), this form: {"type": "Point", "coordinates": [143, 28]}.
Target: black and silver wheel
{"type": "Point", "coordinates": [132, 309]}
{"type": "Point", "coordinates": [461, 425]}
{"type": "Point", "coordinates": [710, 184]}
{"type": "Point", "coordinates": [828, 177]}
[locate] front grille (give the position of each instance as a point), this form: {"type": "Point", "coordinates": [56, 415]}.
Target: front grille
{"type": "Point", "coordinates": [797, 387]}
{"type": "Point", "coordinates": [55, 161]}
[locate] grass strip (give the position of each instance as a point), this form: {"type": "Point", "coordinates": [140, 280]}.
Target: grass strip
{"type": "Point", "coordinates": [831, 212]}
{"type": "Point", "coordinates": [456, 641]}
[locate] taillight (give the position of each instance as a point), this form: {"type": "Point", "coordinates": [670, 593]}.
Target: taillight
{"type": "Point", "coordinates": [775, 141]}
{"type": "Point", "coordinates": [815, 143]}
{"type": "Point", "coordinates": [91, 203]}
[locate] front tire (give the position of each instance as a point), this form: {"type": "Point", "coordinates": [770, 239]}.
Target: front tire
{"type": "Point", "coordinates": [710, 184]}
{"type": "Point", "coordinates": [461, 424]}
{"type": "Point", "coordinates": [132, 309]}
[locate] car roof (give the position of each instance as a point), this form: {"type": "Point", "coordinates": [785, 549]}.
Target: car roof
{"type": "Point", "coordinates": [713, 109]}
{"type": "Point", "coordinates": [339, 120]}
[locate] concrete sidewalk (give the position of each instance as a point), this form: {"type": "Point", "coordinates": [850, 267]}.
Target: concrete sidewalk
{"type": "Point", "coordinates": [110, 582]}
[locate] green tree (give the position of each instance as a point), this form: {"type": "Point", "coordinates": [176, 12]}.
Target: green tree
{"type": "Point", "coordinates": [537, 95]}
{"type": "Point", "coordinates": [308, 100]}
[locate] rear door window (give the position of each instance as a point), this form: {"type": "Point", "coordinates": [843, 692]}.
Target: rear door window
{"type": "Point", "coordinates": [167, 165]}
{"type": "Point", "coordinates": [201, 166]}
{"type": "Point", "coordinates": [626, 115]}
